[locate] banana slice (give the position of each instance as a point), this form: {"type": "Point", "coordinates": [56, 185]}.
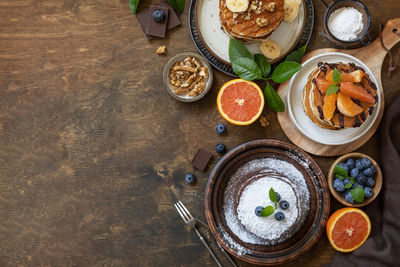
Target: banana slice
{"type": "Point", "coordinates": [270, 49]}
{"type": "Point", "coordinates": [237, 5]}
{"type": "Point", "coordinates": [291, 10]}
{"type": "Point", "coordinates": [297, 1]}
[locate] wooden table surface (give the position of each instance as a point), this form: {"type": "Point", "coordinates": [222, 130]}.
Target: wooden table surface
{"type": "Point", "coordinates": [93, 149]}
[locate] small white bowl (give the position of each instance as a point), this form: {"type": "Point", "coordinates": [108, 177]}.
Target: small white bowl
{"type": "Point", "coordinates": [304, 124]}
{"type": "Point", "coordinates": [181, 57]}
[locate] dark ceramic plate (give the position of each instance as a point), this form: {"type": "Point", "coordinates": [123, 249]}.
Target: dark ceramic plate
{"type": "Point", "coordinates": [213, 54]}
{"type": "Point", "coordinates": [314, 223]}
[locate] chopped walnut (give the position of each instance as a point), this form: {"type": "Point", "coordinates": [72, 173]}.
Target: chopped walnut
{"type": "Point", "coordinates": [234, 15]}
{"type": "Point", "coordinates": [262, 22]}
{"type": "Point", "coordinates": [271, 7]}
{"type": "Point", "coordinates": [247, 16]}
{"type": "Point", "coordinates": [263, 121]}
{"type": "Point", "coordinates": [161, 50]}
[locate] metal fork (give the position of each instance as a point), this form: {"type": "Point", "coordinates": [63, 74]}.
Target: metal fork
{"type": "Point", "coordinates": [191, 222]}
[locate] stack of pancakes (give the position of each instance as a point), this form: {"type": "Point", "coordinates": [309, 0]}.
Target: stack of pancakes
{"type": "Point", "coordinates": [313, 99]}
{"type": "Point", "coordinates": [258, 22]}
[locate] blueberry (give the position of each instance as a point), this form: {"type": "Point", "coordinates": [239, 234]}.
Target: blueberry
{"type": "Point", "coordinates": [279, 216]}
{"type": "Point", "coordinates": [367, 192]}
{"type": "Point", "coordinates": [258, 210]}
{"type": "Point", "coordinates": [361, 179]}
{"type": "Point", "coordinates": [370, 171]}
{"type": "Point", "coordinates": [366, 162]}
{"type": "Point", "coordinates": [338, 185]}
{"type": "Point", "coordinates": [278, 196]}
{"type": "Point", "coordinates": [220, 128]}
{"type": "Point", "coordinates": [349, 197]}
{"type": "Point", "coordinates": [350, 164]}
{"type": "Point", "coordinates": [220, 148]}
{"type": "Point", "coordinates": [190, 178]}
{"type": "Point", "coordinates": [158, 15]}
{"type": "Point", "coordinates": [370, 182]}
{"type": "Point", "coordinates": [354, 172]}
{"type": "Point", "coordinates": [356, 185]}
{"type": "Point", "coordinates": [359, 165]}
{"type": "Point", "coordinates": [344, 166]}
{"type": "Point", "coordinates": [346, 181]}
{"type": "Point", "coordinates": [284, 204]}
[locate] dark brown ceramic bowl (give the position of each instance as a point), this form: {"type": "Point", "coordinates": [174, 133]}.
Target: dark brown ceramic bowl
{"type": "Point", "coordinates": [363, 38]}
{"type": "Point", "coordinates": [304, 238]}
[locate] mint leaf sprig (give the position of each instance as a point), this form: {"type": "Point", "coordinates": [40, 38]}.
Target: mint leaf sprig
{"type": "Point", "coordinates": [357, 193]}
{"type": "Point", "coordinates": [336, 78]}
{"type": "Point", "coordinates": [269, 210]}
{"type": "Point", "coordinates": [178, 5]}
{"type": "Point", "coordinates": [252, 68]}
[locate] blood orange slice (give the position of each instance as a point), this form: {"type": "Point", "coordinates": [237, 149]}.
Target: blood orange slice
{"type": "Point", "coordinates": [240, 102]}
{"type": "Point", "coordinates": [348, 229]}
{"type": "Point", "coordinates": [356, 92]}
{"type": "Point", "coordinates": [322, 85]}
{"type": "Point", "coordinates": [355, 76]}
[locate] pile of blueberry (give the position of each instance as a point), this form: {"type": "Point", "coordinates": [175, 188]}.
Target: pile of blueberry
{"type": "Point", "coordinates": [360, 173]}
{"type": "Point", "coordinates": [279, 216]}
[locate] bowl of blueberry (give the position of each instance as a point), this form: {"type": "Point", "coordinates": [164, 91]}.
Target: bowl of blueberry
{"type": "Point", "coordinates": [355, 179]}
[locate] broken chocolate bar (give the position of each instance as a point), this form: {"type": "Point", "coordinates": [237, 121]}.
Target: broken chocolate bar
{"type": "Point", "coordinates": [155, 28]}
{"type": "Point", "coordinates": [201, 159]}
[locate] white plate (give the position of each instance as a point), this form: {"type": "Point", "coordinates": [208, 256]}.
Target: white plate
{"type": "Point", "coordinates": [304, 124]}
{"type": "Point", "coordinates": [207, 19]}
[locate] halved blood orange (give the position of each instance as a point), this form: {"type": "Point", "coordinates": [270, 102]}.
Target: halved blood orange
{"type": "Point", "coordinates": [348, 229]}
{"type": "Point", "coordinates": [240, 102]}
{"type": "Point", "coordinates": [356, 92]}
{"type": "Point", "coordinates": [354, 76]}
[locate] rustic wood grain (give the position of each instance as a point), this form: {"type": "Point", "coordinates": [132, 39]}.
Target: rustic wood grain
{"type": "Point", "coordinates": [93, 150]}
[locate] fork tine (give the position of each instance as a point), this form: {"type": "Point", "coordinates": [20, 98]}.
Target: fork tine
{"type": "Point", "coordinates": [180, 213]}
{"type": "Point", "coordinates": [185, 209]}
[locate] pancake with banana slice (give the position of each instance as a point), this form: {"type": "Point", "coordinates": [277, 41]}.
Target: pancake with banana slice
{"type": "Point", "coordinates": [346, 104]}
{"type": "Point", "coordinates": [251, 20]}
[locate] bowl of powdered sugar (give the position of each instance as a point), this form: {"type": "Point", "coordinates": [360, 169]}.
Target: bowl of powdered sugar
{"type": "Point", "coordinates": [347, 23]}
{"type": "Point", "coordinates": [242, 180]}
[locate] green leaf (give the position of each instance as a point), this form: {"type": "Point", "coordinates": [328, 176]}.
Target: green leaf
{"type": "Point", "coordinates": [178, 5]}
{"type": "Point", "coordinates": [349, 185]}
{"type": "Point", "coordinates": [333, 88]}
{"type": "Point", "coordinates": [351, 179]}
{"type": "Point", "coordinates": [341, 177]}
{"type": "Point", "coordinates": [296, 55]}
{"type": "Point", "coordinates": [267, 211]}
{"type": "Point", "coordinates": [274, 101]}
{"type": "Point", "coordinates": [272, 195]}
{"type": "Point", "coordinates": [247, 69]}
{"type": "Point", "coordinates": [285, 71]}
{"type": "Point", "coordinates": [358, 194]}
{"type": "Point", "coordinates": [336, 77]}
{"type": "Point", "coordinates": [237, 50]}
{"type": "Point", "coordinates": [133, 4]}
{"type": "Point", "coordinates": [262, 62]}
{"type": "Point", "coordinates": [338, 170]}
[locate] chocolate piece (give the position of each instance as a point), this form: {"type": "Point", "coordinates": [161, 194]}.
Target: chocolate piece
{"type": "Point", "coordinates": [154, 28]}
{"type": "Point", "coordinates": [370, 110]}
{"type": "Point", "coordinates": [142, 17]}
{"type": "Point", "coordinates": [363, 116]}
{"type": "Point", "coordinates": [341, 120]}
{"type": "Point", "coordinates": [173, 19]}
{"type": "Point", "coordinates": [357, 122]}
{"type": "Point", "coordinates": [321, 114]}
{"type": "Point", "coordinates": [201, 159]}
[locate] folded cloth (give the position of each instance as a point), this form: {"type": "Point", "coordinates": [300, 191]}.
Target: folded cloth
{"type": "Point", "coordinates": [383, 246]}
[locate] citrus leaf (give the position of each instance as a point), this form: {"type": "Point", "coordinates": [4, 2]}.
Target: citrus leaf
{"type": "Point", "coordinates": [247, 69]}
{"type": "Point", "coordinates": [267, 211]}
{"type": "Point", "coordinates": [178, 5]}
{"type": "Point", "coordinates": [133, 4]}
{"type": "Point", "coordinates": [237, 50]}
{"type": "Point", "coordinates": [296, 55]}
{"type": "Point", "coordinates": [285, 71]}
{"type": "Point", "coordinates": [262, 62]}
{"type": "Point", "coordinates": [358, 194]}
{"type": "Point", "coordinates": [336, 77]}
{"type": "Point", "coordinates": [338, 170]}
{"type": "Point", "coordinates": [274, 101]}
{"type": "Point", "coordinates": [333, 88]}
{"type": "Point", "coordinates": [272, 195]}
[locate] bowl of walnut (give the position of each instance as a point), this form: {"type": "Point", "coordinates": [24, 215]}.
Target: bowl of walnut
{"type": "Point", "coordinates": [187, 76]}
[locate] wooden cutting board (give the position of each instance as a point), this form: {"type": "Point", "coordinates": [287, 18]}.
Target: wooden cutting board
{"type": "Point", "coordinates": [373, 56]}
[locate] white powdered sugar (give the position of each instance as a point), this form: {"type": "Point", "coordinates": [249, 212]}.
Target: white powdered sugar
{"type": "Point", "coordinates": [346, 23]}
{"type": "Point", "coordinates": [256, 194]}
{"type": "Point", "coordinates": [248, 188]}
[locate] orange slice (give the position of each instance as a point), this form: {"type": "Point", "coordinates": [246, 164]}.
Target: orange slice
{"type": "Point", "coordinates": [355, 76]}
{"type": "Point", "coordinates": [329, 106]}
{"type": "Point", "coordinates": [356, 92]}
{"type": "Point", "coordinates": [322, 85]}
{"type": "Point", "coordinates": [240, 102]}
{"type": "Point", "coordinates": [348, 229]}
{"type": "Point", "coordinates": [346, 106]}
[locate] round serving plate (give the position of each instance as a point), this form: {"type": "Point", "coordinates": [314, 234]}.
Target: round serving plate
{"type": "Point", "coordinates": [304, 124]}
{"type": "Point", "coordinates": [212, 42]}
{"type": "Point", "coordinates": [314, 223]}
